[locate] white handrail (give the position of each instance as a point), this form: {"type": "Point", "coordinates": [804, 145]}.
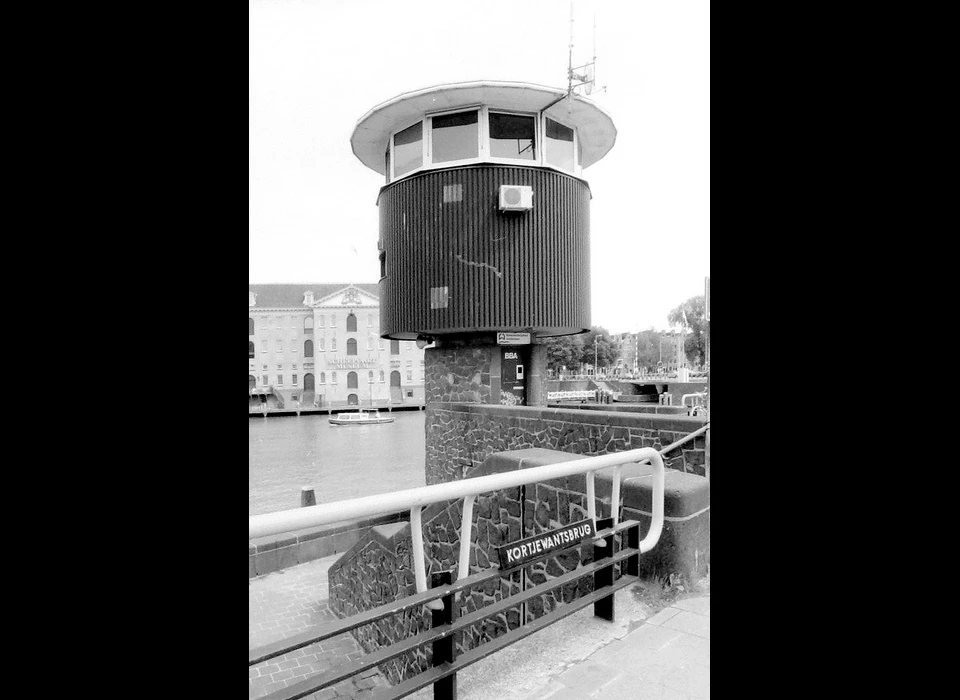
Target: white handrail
{"type": "Point", "coordinates": [415, 499]}
{"type": "Point", "coordinates": [683, 399]}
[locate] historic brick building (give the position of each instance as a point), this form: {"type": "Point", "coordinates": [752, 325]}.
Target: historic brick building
{"type": "Point", "coordinates": [320, 345]}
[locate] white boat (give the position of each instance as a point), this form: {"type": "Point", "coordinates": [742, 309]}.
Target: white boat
{"type": "Point", "coordinates": [360, 417]}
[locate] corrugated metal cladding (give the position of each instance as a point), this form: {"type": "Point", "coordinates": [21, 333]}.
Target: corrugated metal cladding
{"type": "Point", "coordinates": [455, 263]}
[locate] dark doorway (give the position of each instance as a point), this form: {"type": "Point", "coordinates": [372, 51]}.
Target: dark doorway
{"type": "Point", "coordinates": [396, 396]}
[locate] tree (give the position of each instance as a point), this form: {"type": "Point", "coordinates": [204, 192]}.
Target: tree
{"type": "Point", "coordinates": [564, 351]}
{"type": "Point", "coordinates": [571, 351]}
{"type": "Point", "coordinates": [607, 350]}
{"type": "Point", "coordinates": [648, 349]}
{"type": "Point", "coordinates": [690, 316]}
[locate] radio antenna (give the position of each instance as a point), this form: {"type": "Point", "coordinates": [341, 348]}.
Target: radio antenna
{"type": "Point", "coordinates": [586, 77]}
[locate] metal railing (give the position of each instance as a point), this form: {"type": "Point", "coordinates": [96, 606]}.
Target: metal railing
{"type": "Point", "coordinates": [441, 598]}
{"type": "Point", "coordinates": [585, 395]}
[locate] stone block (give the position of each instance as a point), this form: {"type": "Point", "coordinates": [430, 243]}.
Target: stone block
{"type": "Point", "coordinates": [288, 556]}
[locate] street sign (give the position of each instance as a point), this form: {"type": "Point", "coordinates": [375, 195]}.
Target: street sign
{"type": "Point", "coordinates": [513, 338]}
{"type": "Point", "coordinates": [521, 551]}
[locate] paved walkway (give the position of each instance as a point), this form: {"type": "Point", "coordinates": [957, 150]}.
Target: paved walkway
{"type": "Point", "coordinates": [290, 601]}
{"type": "Point", "coordinates": [665, 656]}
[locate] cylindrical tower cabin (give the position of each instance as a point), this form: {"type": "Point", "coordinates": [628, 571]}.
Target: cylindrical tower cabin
{"type": "Point", "coordinates": [484, 227]}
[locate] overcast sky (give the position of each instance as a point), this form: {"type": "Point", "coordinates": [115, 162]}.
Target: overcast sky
{"type": "Point", "coordinates": [317, 66]}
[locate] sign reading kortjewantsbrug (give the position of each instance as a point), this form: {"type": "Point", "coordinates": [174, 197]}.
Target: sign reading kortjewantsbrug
{"type": "Point", "coordinates": [522, 551]}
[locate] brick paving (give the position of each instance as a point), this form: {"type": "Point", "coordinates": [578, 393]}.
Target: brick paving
{"type": "Point", "coordinates": [291, 601]}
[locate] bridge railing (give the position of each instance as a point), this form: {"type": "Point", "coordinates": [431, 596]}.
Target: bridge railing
{"type": "Point", "coordinates": [585, 395]}
{"type": "Point", "coordinates": [442, 597]}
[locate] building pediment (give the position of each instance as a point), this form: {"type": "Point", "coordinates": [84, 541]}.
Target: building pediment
{"type": "Point", "coordinates": [347, 297]}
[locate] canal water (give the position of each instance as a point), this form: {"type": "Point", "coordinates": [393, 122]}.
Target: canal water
{"type": "Point", "coordinates": [338, 462]}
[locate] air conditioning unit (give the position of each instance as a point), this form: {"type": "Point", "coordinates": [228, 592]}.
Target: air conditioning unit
{"type": "Point", "coordinates": [516, 197]}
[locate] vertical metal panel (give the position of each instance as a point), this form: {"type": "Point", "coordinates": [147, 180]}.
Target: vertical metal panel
{"type": "Point", "coordinates": [504, 270]}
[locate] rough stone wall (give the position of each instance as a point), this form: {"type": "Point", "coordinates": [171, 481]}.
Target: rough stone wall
{"type": "Point", "coordinates": [462, 373]}
{"type": "Point", "coordinates": [460, 436]}
{"type": "Point", "coordinates": [376, 571]}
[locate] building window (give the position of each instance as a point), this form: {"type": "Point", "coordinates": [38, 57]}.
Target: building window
{"type": "Point", "coordinates": [253, 350]}
{"type": "Point", "coordinates": [333, 377]}
{"type": "Point", "coordinates": [352, 380]}
{"type": "Point", "coordinates": [320, 344]}
{"type": "Point", "coordinates": [333, 344]}
{"type": "Point", "coordinates": [559, 145]}
{"type": "Point", "coordinates": [263, 346]}
{"type": "Point", "coordinates": [294, 365]}
{"type": "Point", "coordinates": [264, 366]}
{"type": "Point", "coordinates": [294, 380]}
{"type": "Point", "coordinates": [381, 376]}
{"type": "Point", "coordinates": [279, 380]}
{"type": "Point", "coordinates": [351, 346]}
{"type": "Point", "coordinates": [279, 346]}
{"type": "Point", "coordinates": [308, 348]}
{"type": "Point", "coordinates": [408, 149]}
{"type": "Point", "coordinates": [321, 320]}
{"type": "Point", "coordinates": [394, 347]}
{"type": "Point", "coordinates": [323, 377]}
{"type": "Point", "coordinates": [251, 325]}
{"type": "Point", "coordinates": [279, 365]}
{"type": "Point", "coordinates": [333, 320]}
{"type": "Point", "coordinates": [351, 323]}
{"type": "Point", "coordinates": [380, 343]}
{"type": "Point", "coordinates": [512, 136]}
{"type": "Point", "coordinates": [264, 380]}
{"type": "Point", "coordinates": [370, 377]}
{"type": "Point", "coordinates": [308, 325]}
{"type": "Point", "coordinates": [454, 137]}
{"type": "Point", "coordinates": [409, 375]}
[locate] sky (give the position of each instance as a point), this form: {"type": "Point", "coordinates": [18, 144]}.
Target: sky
{"type": "Point", "coordinates": [317, 66]}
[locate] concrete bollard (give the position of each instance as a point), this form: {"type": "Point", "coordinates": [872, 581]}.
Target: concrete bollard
{"type": "Point", "coordinates": [307, 497]}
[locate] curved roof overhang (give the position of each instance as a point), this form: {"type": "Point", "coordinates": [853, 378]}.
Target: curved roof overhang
{"type": "Point", "coordinates": [594, 126]}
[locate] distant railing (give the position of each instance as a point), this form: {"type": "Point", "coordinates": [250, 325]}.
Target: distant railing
{"type": "Point", "coordinates": [441, 599]}
{"type": "Point", "coordinates": [586, 395]}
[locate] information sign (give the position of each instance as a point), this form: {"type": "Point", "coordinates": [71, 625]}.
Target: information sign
{"type": "Point", "coordinates": [513, 338]}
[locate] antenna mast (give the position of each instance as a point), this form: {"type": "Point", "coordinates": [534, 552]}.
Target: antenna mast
{"type": "Point", "coordinates": [587, 78]}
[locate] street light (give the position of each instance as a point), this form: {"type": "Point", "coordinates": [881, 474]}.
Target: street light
{"type": "Point", "coordinates": [595, 340]}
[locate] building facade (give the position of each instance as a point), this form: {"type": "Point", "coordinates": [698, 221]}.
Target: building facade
{"type": "Point", "coordinates": [320, 346]}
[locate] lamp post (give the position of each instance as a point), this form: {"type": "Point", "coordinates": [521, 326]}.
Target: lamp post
{"type": "Point", "coordinates": [595, 367]}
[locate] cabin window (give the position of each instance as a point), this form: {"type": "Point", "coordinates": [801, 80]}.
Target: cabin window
{"type": "Point", "coordinates": [408, 149]}
{"type": "Point", "coordinates": [559, 145]}
{"type": "Point", "coordinates": [512, 136]}
{"type": "Point", "coordinates": [454, 137]}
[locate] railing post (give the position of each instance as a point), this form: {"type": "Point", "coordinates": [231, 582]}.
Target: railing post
{"type": "Point", "coordinates": [633, 542]}
{"type": "Point", "coordinates": [444, 650]}
{"type": "Point", "coordinates": [604, 608]}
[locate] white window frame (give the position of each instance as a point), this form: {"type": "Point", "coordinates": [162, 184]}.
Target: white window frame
{"type": "Point", "coordinates": [483, 146]}
{"type": "Point", "coordinates": [428, 137]}
{"type": "Point", "coordinates": [576, 146]}
{"type": "Point", "coordinates": [423, 150]}
{"type": "Point", "coordinates": [537, 124]}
